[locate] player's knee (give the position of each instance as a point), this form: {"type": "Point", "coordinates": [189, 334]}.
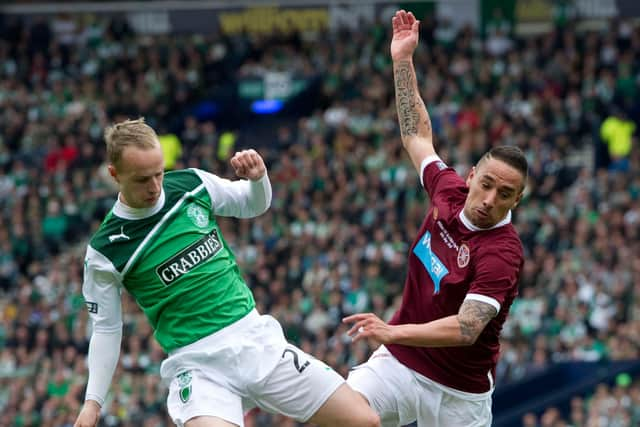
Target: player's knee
{"type": "Point", "coordinates": [367, 419]}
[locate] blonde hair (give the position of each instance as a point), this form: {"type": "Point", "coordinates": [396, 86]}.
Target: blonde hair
{"type": "Point", "coordinates": [128, 133]}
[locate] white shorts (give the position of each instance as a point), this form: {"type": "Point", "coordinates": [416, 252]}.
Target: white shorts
{"type": "Point", "coordinates": [400, 396]}
{"type": "Point", "coordinates": [245, 365]}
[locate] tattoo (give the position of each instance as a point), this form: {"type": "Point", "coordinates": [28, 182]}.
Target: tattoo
{"type": "Point", "coordinates": [473, 317]}
{"type": "Point", "coordinates": [406, 104]}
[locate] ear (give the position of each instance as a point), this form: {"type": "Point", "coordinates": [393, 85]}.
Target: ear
{"type": "Point", "coordinates": [113, 172]}
{"type": "Point", "coordinates": [517, 200]}
{"type": "Point", "coordinates": [472, 173]}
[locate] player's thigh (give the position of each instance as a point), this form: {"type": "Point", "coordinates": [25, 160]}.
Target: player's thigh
{"type": "Point", "coordinates": [195, 398]}
{"type": "Point", "coordinates": [388, 386]}
{"type": "Point", "coordinates": [298, 386]}
{"type": "Point", "coordinates": [208, 422]}
{"type": "Point", "coordinates": [346, 407]}
{"type": "Point", "coordinates": [457, 412]}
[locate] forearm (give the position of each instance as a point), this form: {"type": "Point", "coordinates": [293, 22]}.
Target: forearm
{"type": "Point", "coordinates": [104, 351]}
{"type": "Point", "coordinates": [415, 124]}
{"type": "Point", "coordinates": [242, 198]}
{"type": "Point", "coordinates": [412, 113]}
{"type": "Point", "coordinates": [260, 195]}
{"type": "Point", "coordinates": [445, 332]}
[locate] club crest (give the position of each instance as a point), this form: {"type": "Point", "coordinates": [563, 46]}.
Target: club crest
{"type": "Point", "coordinates": [464, 255]}
{"type": "Point", "coordinates": [184, 382]}
{"type": "Point", "coordinates": [198, 215]}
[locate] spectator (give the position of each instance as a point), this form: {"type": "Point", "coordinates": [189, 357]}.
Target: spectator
{"type": "Point", "coordinates": [617, 133]}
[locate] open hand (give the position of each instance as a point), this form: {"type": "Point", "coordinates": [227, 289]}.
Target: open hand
{"type": "Point", "coordinates": [405, 35]}
{"type": "Point", "coordinates": [248, 164]}
{"type": "Point", "coordinates": [370, 326]}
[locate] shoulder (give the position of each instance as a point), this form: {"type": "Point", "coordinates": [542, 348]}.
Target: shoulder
{"type": "Point", "coordinates": [183, 179]}
{"type": "Point", "coordinates": [442, 181]}
{"type": "Point", "coordinates": [96, 260]}
{"type": "Point", "coordinates": [502, 246]}
{"type": "Point", "coordinates": [109, 227]}
{"type": "Point", "coordinates": [115, 240]}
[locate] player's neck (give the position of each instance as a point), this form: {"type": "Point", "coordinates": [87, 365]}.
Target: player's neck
{"type": "Point", "coordinates": [472, 227]}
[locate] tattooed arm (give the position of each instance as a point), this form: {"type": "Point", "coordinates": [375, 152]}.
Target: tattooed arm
{"type": "Point", "coordinates": [473, 317]}
{"type": "Point", "coordinates": [415, 125]}
{"type": "Point", "coordinates": [452, 331]}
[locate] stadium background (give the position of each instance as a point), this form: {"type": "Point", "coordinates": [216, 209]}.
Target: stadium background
{"type": "Point", "coordinates": [309, 84]}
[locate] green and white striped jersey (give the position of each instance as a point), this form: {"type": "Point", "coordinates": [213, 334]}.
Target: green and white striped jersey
{"type": "Point", "coordinates": [173, 259]}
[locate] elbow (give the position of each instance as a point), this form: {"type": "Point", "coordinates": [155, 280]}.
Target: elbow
{"type": "Point", "coordinates": [467, 341]}
{"type": "Point", "coordinates": [267, 204]}
{"type": "Point", "coordinates": [468, 334]}
{"type": "Point", "coordinates": [264, 210]}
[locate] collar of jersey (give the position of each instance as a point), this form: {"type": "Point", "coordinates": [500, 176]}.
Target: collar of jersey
{"type": "Point", "coordinates": [127, 212]}
{"type": "Point", "coordinates": [471, 227]}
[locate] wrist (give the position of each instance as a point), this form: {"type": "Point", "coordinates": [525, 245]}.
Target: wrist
{"type": "Point", "coordinates": [395, 335]}
{"type": "Point", "coordinates": [403, 58]}
{"type": "Point", "coordinates": [92, 404]}
{"type": "Point", "coordinates": [258, 179]}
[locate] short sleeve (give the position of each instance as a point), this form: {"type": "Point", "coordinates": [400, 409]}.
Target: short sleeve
{"type": "Point", "coordinates": [496, 277]}
{"type": "Point", "coordinates": [440, 180]}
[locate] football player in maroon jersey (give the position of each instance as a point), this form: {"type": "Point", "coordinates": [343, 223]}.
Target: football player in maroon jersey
{"type": "Point", "coordinates": [438, 353]}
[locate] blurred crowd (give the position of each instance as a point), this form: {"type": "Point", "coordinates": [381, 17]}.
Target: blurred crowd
{"type": "Point", "coordinates": [347, 203]}
{"type": "Point", "coordinates": [609, 405]}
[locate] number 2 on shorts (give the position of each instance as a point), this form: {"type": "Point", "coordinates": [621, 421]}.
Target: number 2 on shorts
{"type": "Point", "coordinates": [296, 359]}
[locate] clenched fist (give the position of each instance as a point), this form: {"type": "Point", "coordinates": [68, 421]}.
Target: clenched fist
{"type": "Point", "coordinates": [248, 164]}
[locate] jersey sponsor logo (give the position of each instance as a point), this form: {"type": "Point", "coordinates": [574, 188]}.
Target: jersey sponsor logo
{"type": "Point", "coordinates": [430, 260]}
{"type": "Point", "coordinates": [184, 384]}
{"type": "Point", "coordinates": [446, 236]}
{"type": "Point", "coordinates": [440, 165]}
{"type": "Point", "coordinates": [121, 236]}
{"type": "Point", "coordinates": [464, 255]}
{"type": "Point", "coordinates": [189, 258]}
{"type": "Point", "coordinates": [92, 307]}
{"type": "Point", "coordinates": [198, 215]}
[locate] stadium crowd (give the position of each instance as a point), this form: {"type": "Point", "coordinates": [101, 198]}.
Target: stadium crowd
{"type": "Point", "coordinates": [346, 199]}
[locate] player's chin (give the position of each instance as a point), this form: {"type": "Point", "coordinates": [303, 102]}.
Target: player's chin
{"type": "Point", "coordinates": [482, 221]}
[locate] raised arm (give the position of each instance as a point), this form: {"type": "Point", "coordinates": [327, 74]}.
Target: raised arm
{"type": "Point", "coordinates": [415, 125]}
{"type": "Point", "coordinates": [243, 198]}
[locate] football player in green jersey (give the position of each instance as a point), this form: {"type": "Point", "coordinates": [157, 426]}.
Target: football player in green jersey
{"type": "Point", "coordinates": [161, 243]}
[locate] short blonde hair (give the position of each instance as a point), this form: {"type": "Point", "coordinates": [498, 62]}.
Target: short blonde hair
{"type": "Point", "coordinates": [127, 133]}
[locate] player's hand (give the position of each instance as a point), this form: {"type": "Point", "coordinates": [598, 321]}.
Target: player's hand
{"type": "Point", "coordinates": [248, 164]}
{"type": "Point", "coordinates": [405, 35]}
{"type": "Point", "coordinates": [370, 326]}
{"type": "Point", "coordinates": [89, 415]}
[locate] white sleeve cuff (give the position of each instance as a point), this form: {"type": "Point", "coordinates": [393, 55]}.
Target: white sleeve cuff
{"type": "Point", "coordinates": [261, 194]}
{"type": "Point", "coordinates": [485, 299]}
{"type": "Point", "coordinates": [426, 162]}
{"type": "Point", "coordinates": [104, 352]}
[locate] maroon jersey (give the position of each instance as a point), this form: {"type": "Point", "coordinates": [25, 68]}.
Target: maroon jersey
{"type": "Point", "coordinates": [449, 261]}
